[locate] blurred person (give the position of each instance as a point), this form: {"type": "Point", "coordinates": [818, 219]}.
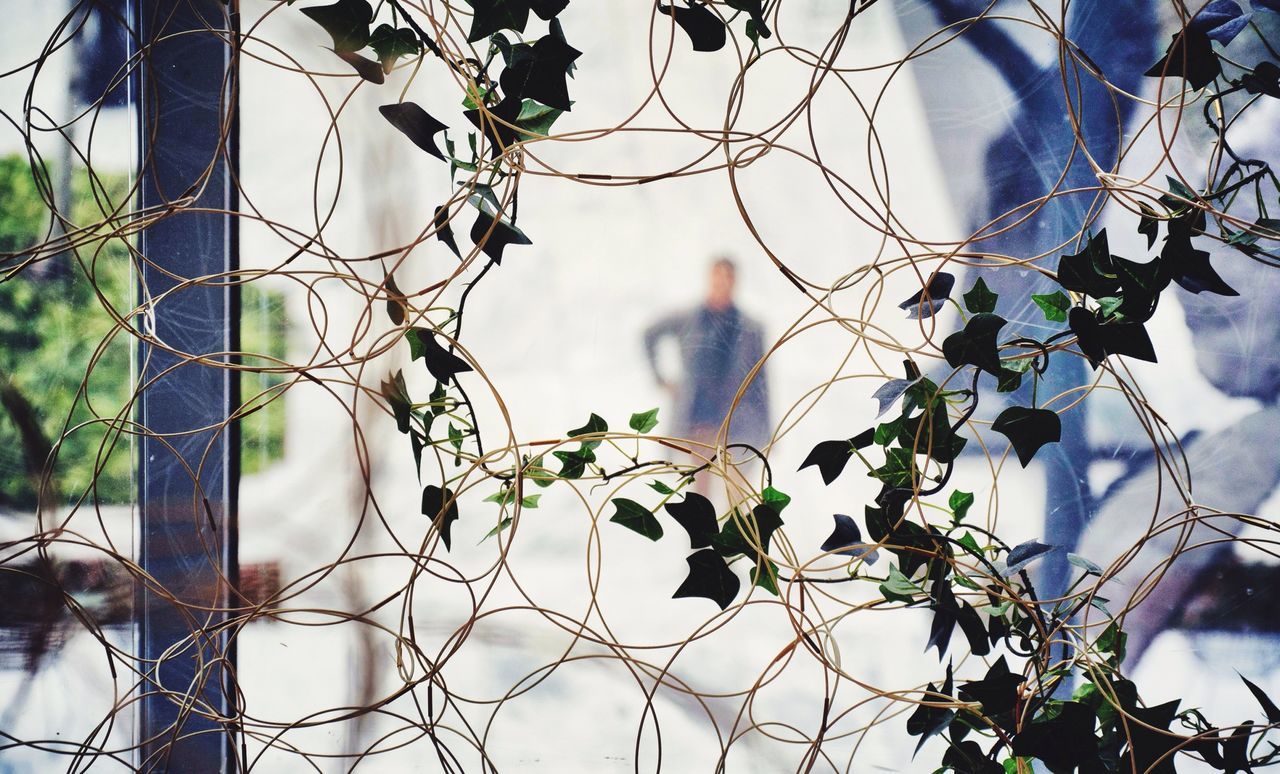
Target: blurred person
{"type": "Point", "coordinates": [718, 345]}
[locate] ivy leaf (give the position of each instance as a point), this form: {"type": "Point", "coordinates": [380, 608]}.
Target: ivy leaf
{"type": "Point", "coordinates": [766, 577]}
{"type": "Point", "coordinates": [899, 588]}
{"type": "Point", "coordinates": [444, 232]}
{"type": "Point", "coordinates": [698, 517]}
{"type": "Point", "coordinates": [705, 30]}
{"type": "Point", "coordinates": [1028, 429]}
{"type": "Point", "coordinates": [548, 9]}
{"type": "Point", "coordinates": [539, 71]}
{"type": "Point", "coordinates": [709, 577]}
{"type": "Point", "coordinates": [1264, 79]}
{"type": "Point", "coordinates": [960, 502]}
{"type": "Point", "coordinates": [595, 426]}
{"type": "Point", "coordinates": [346, 21]}
{"type": "Point", "coordinates": [1221, 20]}
{"type": "Point", "coordinates": [1064, 742]}
{"type": "Point", "coordinates": [416, 124]}
{"type": "Point", "coordinates": [365, 67]}
{"type": "Point", "coordinates": [888, 393]}
{"type": "Point", "coordinates": [440, 505]}
{"type": "Point", "coordinates": [397, 396]}
{"type": "Point", "coordinates": [832, 456]}
{"type": "Point", "coordinates": [644, 421]}
{"type": "Point", "coordinates": [498, 123]}
{"type": "Point", "coordinates": [929, 720]}
{"type": "Point", "coordinates": [636, 518]}
{"type": "Point", "coordinates": [967, 757]}
{"type": "Point", "coordinates": [1150, 740]}
{"type": "Point", "coordinates": [1191, 268]}
{"type": "Point", "coordinates": [1090, 271]}
{"type": "Point", "coordinates": [937, 292]}
{"type": "Point", "coordinates": [574, 463]}
{"type": "Point", "coordinates": [1084, 564]}
{"type": "Point", "coordinates": [490, 16]}
{"type": "Point", "coordinates": [535, 120]}
{"type": "Point", "coordinates": [395, 303]}
{"type": "Point", "coordinates": [1268, 706]}
{"type": "Point", "coordinates": [760, 525]}
{"type": "Point", "coordinates": [1024, 554]}
{"type": "Point", "coordinates": [976, 344]}
{"type": "Point", "coordinates": [899, 468]}
{"type": "Point", "coordinates": [1190, 55]}
{"type": "Point", "coordinates": [492, 235]}
{"type": "Point", "coordinates": [390, 44]}
{"type": "Point", "coordinates": [980, 298]}
{"type": "Point", "coordinates": [1098, 341]}
{"type": "Point", "coordinates": [1149, 223]}
{"type": "Point", "coordinates": [775, 499]}
{"type": "Point", "coordinates": [997, 691]}
{"type": "Point", "coordinates": [974, 630]}
{"type": "Point", "coordinates": [846, 539]}
{"type": "Point", "coordinates": [661, 488]}
{"type": "Point", "coordinates": [1054, 305]}
{"type": "Point", "coordinates": [442, 363]}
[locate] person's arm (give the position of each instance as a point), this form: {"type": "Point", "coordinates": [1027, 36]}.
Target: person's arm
{"type": "Point", "coordinates": [667, 326]}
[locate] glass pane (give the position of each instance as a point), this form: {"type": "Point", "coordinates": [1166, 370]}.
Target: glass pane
{"type": "Point", "coordinates": [66, 457]}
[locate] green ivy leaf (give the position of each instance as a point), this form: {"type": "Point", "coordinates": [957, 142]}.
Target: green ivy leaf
{"type": "Point", "coordinates": [775, 499]}
{"type": "Point", "coordinates": [661, 488]}
{"type": "Point", "coordinates": [390, 44]}
{"type": "Point", "coordinates": [959, 502]}
{"type": "Point", "coordinates": [595, 426]}
{"type": "Point", "coordinates": [899, 588]}
{"type": "Point", "coordinates": [980, 298]}
{"type": "Point", "coordinates": [1054, 305]}
{"type": "Point", "coordinates": [636, 518]}
{"type": "Point", "coordinates": [768, 579]}
{"type": "Point", "coordinates": [644, 421]}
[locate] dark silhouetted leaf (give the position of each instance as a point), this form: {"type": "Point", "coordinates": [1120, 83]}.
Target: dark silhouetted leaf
{"type": "Point", "coordinates": [1268, 706]}
{"type": "Point", "coordinates": [846, 539]}
{"type": "Point", "coordinates": [1098, 341]}
{"type": "Point", "coordinates": [1191, 268]}
{"type": "Point", "coordinates": [498, 123]}
{"type": "Point", "coordinates": [710, 578]}
{"type": "Point", "coordinates": [1064, 742]}
{"type": "Point", "coordinates": [548, 9]}
{"type": "Point", "coordinates": [705, 30]}
{"type": "Point", "coordinates": [830, 457]}
{"type": "Point", "coordinates": [980, 298]}
{"type": "Point", "coordinates": [442, 508]}
{"type": "Point", "coordinates": [1147, 745]}
{"type": "Point", "coordinates": [442, 363]}
{"type": "Point", "coordinates": [1190, 55]}
{"type": "Point", "coordinates": [927, 720]}
{"type": "Point", "coordinates": [974, 630]}
{"type": "Point", "coordinates": [365, 67]}
{"type": "Point", "coordinates": [493, 235]}
{"type": "Point", "coordinates": [636, 518]}
{"type": "Point", "coordinates": [416, 124]}
{"type": "Point", "coordinates": [967, 758]}
{"type": "Point", "coordinates": [976, 344]}
{"type": "Point", "coordinates": [539, 71]}
{"type": "Point", "coordinates": [490, 16]}
{"type": "Point", "coordinates": [397, 396]}
{"type": "Point", "coordinates": [698, 517]}
{"type": "Point", "coordinates": [1265, 79]}
{"type": "Point", "coordinates": [922, 304]}
{"type": "Point", "coordinates": [997, 691]}
{"type": "Point", "coordinates": [346, 21]}
{"type": "Point", "coordinates": [1028, 429]}
{"type": "Point", "coordinates": [444, 232]}
{"type": "Point", "coordinates": [1090, 271]}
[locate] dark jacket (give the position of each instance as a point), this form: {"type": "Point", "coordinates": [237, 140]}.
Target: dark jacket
{"type": "Point", "coordinates": [746, 346]}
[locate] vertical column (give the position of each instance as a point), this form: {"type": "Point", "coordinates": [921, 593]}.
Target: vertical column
{"type": "Point", "coordinates": [187, 470]}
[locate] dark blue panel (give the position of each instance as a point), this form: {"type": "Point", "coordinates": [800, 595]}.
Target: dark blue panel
{"type": "Point", "coordinates": [187, 468]}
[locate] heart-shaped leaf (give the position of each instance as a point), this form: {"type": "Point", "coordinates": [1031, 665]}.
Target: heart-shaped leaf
{"type": "Point", "coordinates": [1028, 429]}
{"type": "Point", "coordinates": [698, 517]}
{"type": "Point", "coordinates": [636, 518]}
{"type": "Point", "coordinates": [709, 577]}
{"type": "Point", "coordinates": [980, 298]}
{"type": "Point", "coordinates": [705, 30]}
{"type": "Point", "coordinates": [440, 505]}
